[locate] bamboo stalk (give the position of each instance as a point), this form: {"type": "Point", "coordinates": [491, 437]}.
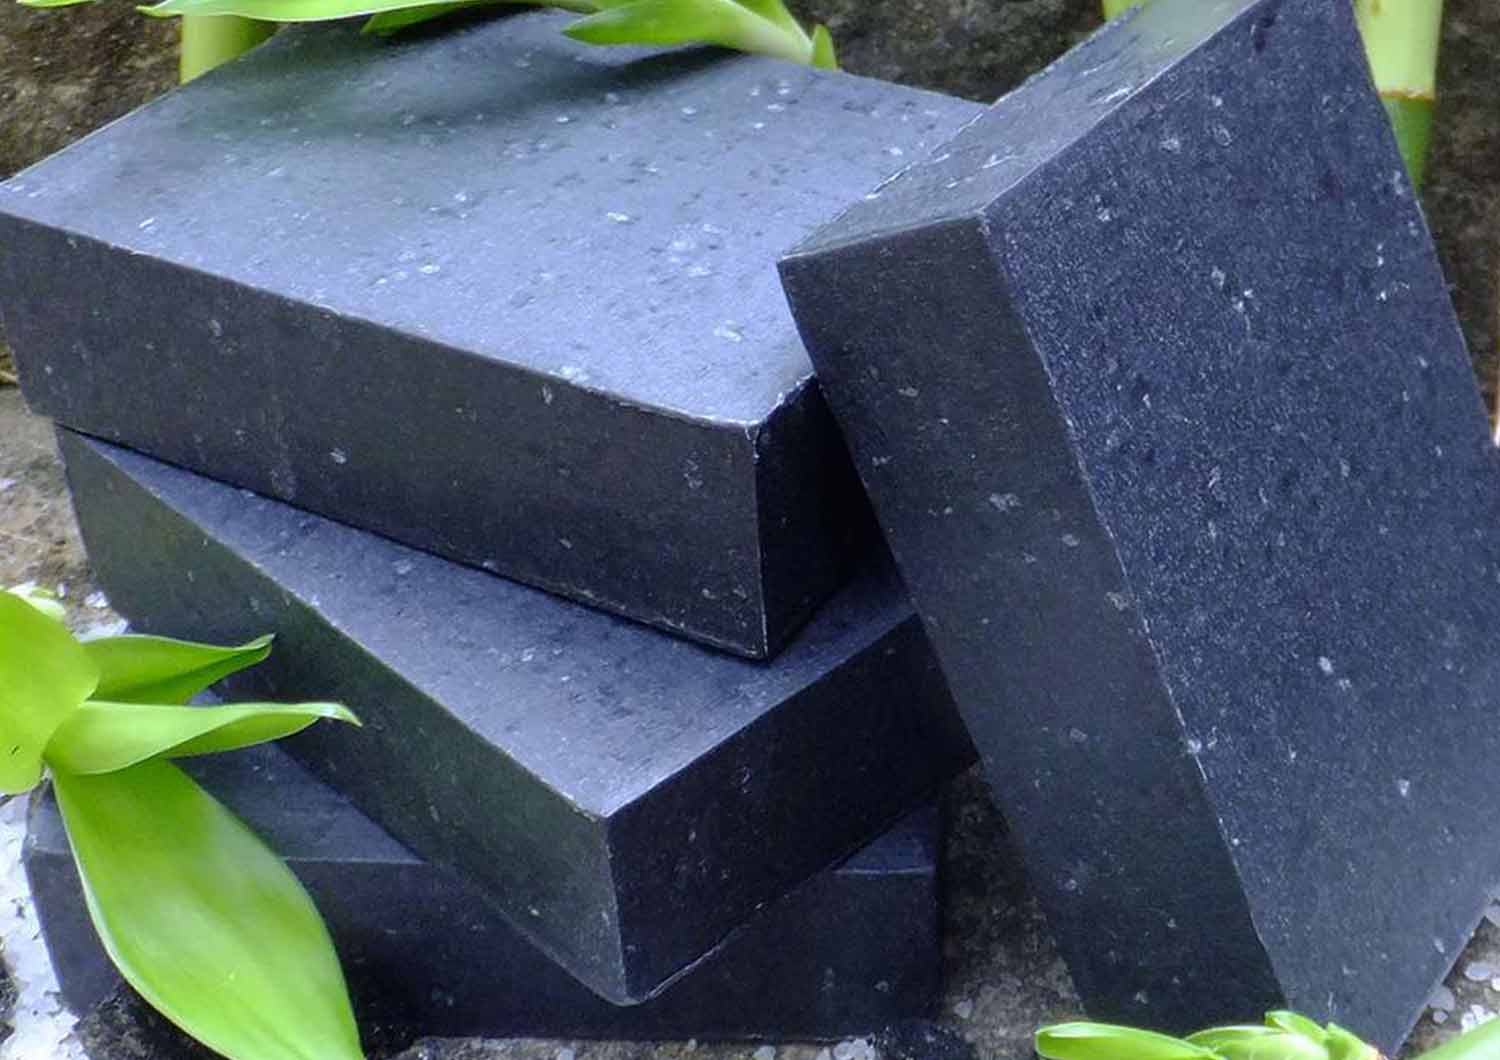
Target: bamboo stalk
{"type": "Point", "coordinates": [211, 40]}
{"type": "Point", "coordinates": [1401, 40]}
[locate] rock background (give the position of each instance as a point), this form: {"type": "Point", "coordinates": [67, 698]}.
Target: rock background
{"type": "Point", "coordinates": [63, 73]}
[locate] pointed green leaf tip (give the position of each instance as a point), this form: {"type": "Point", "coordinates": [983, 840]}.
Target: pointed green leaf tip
{"type": "Point", "coordinates": [138, 669]}
{"type": "Point", "coordinates": [203, 920]}
{"type": "Point", "coordinates": [824, 57]}
{"type": "Point", "coordinates": [45, 675]}
{"type": "Point", "coordinates": [103, 737]}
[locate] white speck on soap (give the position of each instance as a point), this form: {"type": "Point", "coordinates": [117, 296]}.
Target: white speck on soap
{"type": "Point", "coordinates": [1005, 502]}
{"type": "Point", "coordinates": [619, 218]}
{"type": "Point", "coordinates": [338, 456]}
{"type": "Point", "coordinates": [1403, 786]}
{"type": "Point", "coordinates": [1325, 664]}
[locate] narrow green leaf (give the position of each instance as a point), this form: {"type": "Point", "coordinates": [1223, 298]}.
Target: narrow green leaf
{"type": "Point", "coordinates": [102, 737]}
{"type": "Point", "coordinates": [389, 22]}
{"type": "Point", "coordinates": [53, 3]}
{"type": "Point", "coordinates": [203, 920]}
{"type": "Point", "coordinates": [823, 55]}
{"type": "Point", "coordinates": [275, 10]}
{"type": "Point", "coordinates": [668, 22]}
{"type": "Point", "coordinates": [1104, 1041]}
{"type": "Point", "coordinates": [1480, 1043]}
{"type": "Point", "coordinates": [1259, 1043]}
{"type": "Point", "coordinates": [774, 12]}
{"type": "Point", "coordinates": [137, 669]}
{"type": "Point", "coordinates": [44, 676]}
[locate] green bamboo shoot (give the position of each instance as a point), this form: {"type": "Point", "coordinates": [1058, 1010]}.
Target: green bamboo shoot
{"type": "Point", "coordinates": [1401, 40]}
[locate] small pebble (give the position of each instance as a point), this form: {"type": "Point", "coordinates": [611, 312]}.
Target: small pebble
{"type": "Point", "coordinates": [1479, 971]}
{"type": "Point", "coordinates": [97, 600]}
{"type": "Point", "coordinates": [964, 1009]}
{"type": "Point", "coordinates": [765, 1052]}
{"type": "Point", "coordinates": [1476, 1015]}
{"type": "Point", "coordinates": [566, 1054]}
{"type": "Point", "coordinates": [1443, 999]}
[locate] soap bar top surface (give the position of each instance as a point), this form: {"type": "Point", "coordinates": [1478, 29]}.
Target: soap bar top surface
{"type": "Point", "coordinates": [609, 217]}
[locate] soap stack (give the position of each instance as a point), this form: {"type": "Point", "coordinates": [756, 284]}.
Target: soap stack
{"type": "Point", "coordinates": [461, 364]}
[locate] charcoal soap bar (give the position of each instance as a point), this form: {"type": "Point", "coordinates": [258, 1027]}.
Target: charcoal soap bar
{"type": "Point", "coordinates": [490, 292]}
{"type": "Point", "coordinates": [1157, 390]}
{"type": "Point", "coordinates": [846, 953]}
{"type": "Point", "coordinates": [628, 798]}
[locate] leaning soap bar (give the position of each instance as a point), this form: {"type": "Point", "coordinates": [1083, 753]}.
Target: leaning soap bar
{"type": "Point", "coordinates": [491, 292]}
{"type": "Point", "coordinates": [848, 952]}
{"type": "Point", "coordinates": [626, 798]}
{"type": "Point", "coordinates": [1153, 379]}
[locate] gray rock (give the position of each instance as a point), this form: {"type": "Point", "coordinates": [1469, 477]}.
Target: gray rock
{"type": "Point", "coordinates": [1155, 384]}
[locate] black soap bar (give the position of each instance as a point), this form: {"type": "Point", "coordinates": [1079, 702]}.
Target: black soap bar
{"type": "Point", "coordinates": [626, 797]}
{"type": "Point", "coordinates": [1154, 382]}
{"type": "Point", "coordinates": [846, 953]}
{"type": "Point", "coordinates": [490, 292]}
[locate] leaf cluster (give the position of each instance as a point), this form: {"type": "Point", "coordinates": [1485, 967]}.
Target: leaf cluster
{"type": "Point", "coordinates": [199, 916]}
{"type": "Point", "coordinates": [1283, 1036]}
{"type": "Point", "coordinates": [762, 27]}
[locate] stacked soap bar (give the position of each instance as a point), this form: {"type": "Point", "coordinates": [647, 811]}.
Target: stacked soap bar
{"type": "Point", "coordinates": [490, 292]}
{"type": "Point", "coordinates": [626, 798]}
{"type": "Point", "coordinates": [425, 952]}
{"type": "Point", "coordinates": [1154, 381]}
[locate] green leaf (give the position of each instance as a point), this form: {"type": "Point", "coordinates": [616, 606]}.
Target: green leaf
{"type": "Point", "coordinates": [203, 920]}
{"type": "Point", "coordinates": [43, 600]}
{"type": "Point", "coordinates": [1480, 1043]}
{"type": "Point", "coordinates": [1342, 1045]}
{"type": "Point", "coordinates": [136, 669]}
{"type": "Point", "coordinates": [44, 676]}
{"type": "Point", "coordinates": [1259, 1043]}
{"type": "Point", "coordinates": [389, 22]}
{"type": "Point", "coordinates": [275, 10]}
{"type": "Point", "coordinates": [1295, 1023]}
{"type": "Point", "coordinates": [668, 22]}
{"type": "Point", "coordinates": [102, 737]}
{"type": "Point", "coordinates": [823, 55]}
{"type": "Point", "coordinates": [1104, 1041]}
{"type": "Point", "coordinates": [53, 3]}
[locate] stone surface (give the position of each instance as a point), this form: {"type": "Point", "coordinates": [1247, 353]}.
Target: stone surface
{"type": "Point", "coordinates": [490, 292]}
{"type": "Point", "coordinates": [626, 797]}
{"type": "Point", "coordinates": [1152, 376]}
{"type": "Point", "coordinates": [846, 953]}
